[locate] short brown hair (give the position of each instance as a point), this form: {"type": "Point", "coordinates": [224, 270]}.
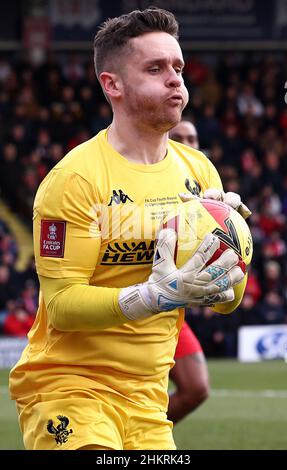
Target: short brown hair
{"type": "Point", "coordinates": [114, 34]}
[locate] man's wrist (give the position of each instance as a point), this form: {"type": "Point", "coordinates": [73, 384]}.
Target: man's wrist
{"type": "Point", "coordinates": [135, 302]}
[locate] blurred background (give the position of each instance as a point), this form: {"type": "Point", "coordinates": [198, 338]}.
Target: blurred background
{"type": "Point", "coordinates": [236, 74]}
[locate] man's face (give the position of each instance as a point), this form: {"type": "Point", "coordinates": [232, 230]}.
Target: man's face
{"type": "Point", "coordinates": [153, 89]}
{"type": "Point", "coordinates": [185, 133]}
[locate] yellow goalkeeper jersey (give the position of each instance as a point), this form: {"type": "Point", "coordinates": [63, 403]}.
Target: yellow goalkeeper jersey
{"type": "Point", "coordinates": [96, 215]}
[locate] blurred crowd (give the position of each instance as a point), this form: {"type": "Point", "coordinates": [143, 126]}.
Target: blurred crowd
{"type": "Point", "coordinates": [18, 290]}
{"type": "Point", "coordinates": [237, 105]}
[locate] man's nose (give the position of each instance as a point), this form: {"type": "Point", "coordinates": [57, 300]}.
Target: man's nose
{"type": "Point", "coordinates": [174, 79]}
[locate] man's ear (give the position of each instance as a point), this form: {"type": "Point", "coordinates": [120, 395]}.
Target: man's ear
{"type": "Point", "coordinates": [111, 84]}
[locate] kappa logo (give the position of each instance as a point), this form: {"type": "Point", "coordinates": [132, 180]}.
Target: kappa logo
{"type": "Point", "coordinates": [118, 197]}
{"type": "Point", "coordinates": [195, 190]}
{"type": "Point", "coordinates": [61, 433]}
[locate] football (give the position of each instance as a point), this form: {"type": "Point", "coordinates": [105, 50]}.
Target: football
{"type": "Point", "coordinates": [196, 218]}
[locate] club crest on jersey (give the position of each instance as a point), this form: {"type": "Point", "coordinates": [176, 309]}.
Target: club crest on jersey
{"type": "Point", "coordinates": [60, 432]}
{"type": "Point", "coordinates": [195, 189]}
{"type": "Point", "coordinates": [52, 240]}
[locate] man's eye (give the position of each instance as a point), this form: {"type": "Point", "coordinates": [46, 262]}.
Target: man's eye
{"type": "Point", "coordinates": [154, 70]}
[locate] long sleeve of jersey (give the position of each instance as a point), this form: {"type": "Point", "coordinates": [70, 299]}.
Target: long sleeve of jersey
{"type": "Point", "coordinates": [73, 305]}
{"type": "Point", "coordinates": [67, 240]}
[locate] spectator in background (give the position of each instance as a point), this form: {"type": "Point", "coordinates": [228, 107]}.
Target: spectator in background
{"type": "Point", "coordinates": [43, 143]}
{"type": "Point", "coordinates": [55, 155]}
{"type": "Point", "coordinates": [103, 118]}
{"type": "Point", "coordinates": [29, 274]}
{"type": "Point", "coordinates": [7, 289]}
{"type": "Point", "coordinates": [272, 276]}
{"type": "Point", "coordinates": [248, 103]}
{"type": "Point", "coordinates": [250, 180]}
{"type": "Point", "coordinates": [271, 310]}
{"type": "Point", "coordinates": [38, 163]}
{"type": "Point", "coordinates": [18, 136]}
{"type": "Point", "coordinates": [73, 69]}
{"type": "Point", "coordinates": [248, 311]}
{"type": "Point", "coordinates": [86, 98]}
{"type": "Point", "coordinates": [5, 69]}
{"type": "Point", "coordinates": [82, 135]}
{"type": "Point", "coordinates": [211, 89]}
{"type": "Point", "coordinates": [8, 248]}
{"type": "Point", "coordinates": [9, 174]}
{"type": "Point", "coordinates": [272, 173]}
{"type": "Point", "coordinates": [274, 247]}
{"type": "Point", "coordinates": [30, 297]}
{"type": "Point", "coordinates": [232, 145]}
{"type": "Point", "coordinates": [253, 287]}
{"type": "Point", "coordinates": [26, 192]}
{"type": "Point", "coordinates": [208, 126]}
{"type": "Point", "coordinates": [18, 321]}
{"type": "Point", "coordinates": [16, 288]}
{"type": "Point", "coordinates": [196, 71]}
{"type": "Point", "coordinates": [284, 196]}
{"type": "Point", "coordinates": [209, 328]}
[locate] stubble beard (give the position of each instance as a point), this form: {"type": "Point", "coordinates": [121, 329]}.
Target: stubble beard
{"type": "Point", "coordinates": [150, 115]}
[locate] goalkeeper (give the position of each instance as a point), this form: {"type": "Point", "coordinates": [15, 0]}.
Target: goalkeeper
{"type": "Point", "coordinates": [95, 372]}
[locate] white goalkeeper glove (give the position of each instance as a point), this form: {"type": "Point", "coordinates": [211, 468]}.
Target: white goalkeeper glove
{"type": "Point", "coordinates": [230, 198]}
{"type": "Point", "coordinates": [193, 284]}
